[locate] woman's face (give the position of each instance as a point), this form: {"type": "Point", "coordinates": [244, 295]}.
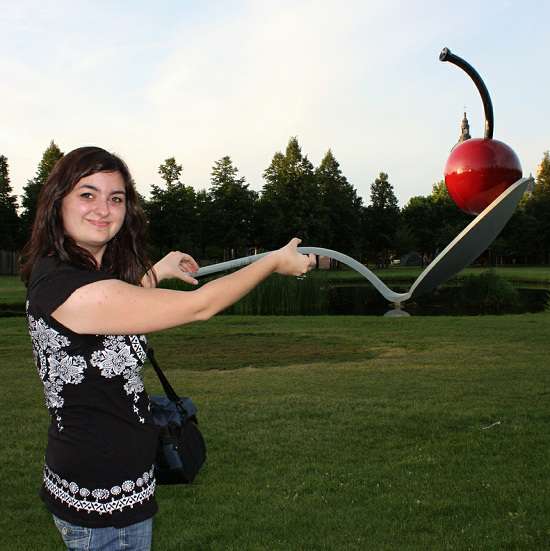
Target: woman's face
{"type": "Point", "coordinates": [93, 212]}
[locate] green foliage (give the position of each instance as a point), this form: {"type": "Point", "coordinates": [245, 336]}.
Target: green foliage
{"type": "Point", "coordinates": [9, 219]}
{"type": "Point", "coordinates": [277, 295]}
{"type": "Point", "coordinates": [171, 213]}
{"type": "Point", "coordinates": [433, 221]}
{"type": "Point", "coordinates": [526, 238]}
{"type": "Point", "coordinates": [232, 210]}
{"type": "Point", "coordinates": [381, 221]}
{"type": "Point", "coordinates": [341, 209]}
{"type": "Point", "coordinates": [440, 194]}
{"type": "Point", "coordinates": [419, 216]}
{"type": "Point", "coordinates": [290, 203]}
{"type": "Point", "coordinates": [204, 243]}
{"type": "Point", "coordinates": [488, 293]}
{"type": "Point", "coordinates": [49, 158]}
{"type": "Point", "coordinates": [170, 171]}
{"type": "Point", "coordinates": [32, 189]}
{"type": "Point", "coordinates": [543, 175]}
{"type": "Point", "coordinates": [382, 196]}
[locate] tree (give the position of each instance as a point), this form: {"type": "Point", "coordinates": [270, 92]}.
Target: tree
{"type": "Point", "coordinates": [33, 187]}
{"type": "Point", "coordinates": [447, 217]}
{"type": "Point", "coordinates": [381, 220]}
{"type": "Point", "coordinates": [232, 209]}
{"type": "Point", "coordinates": [341, 208]}
{"type": "Point", "coordinates": [419, 216]}
{"type": "Point", "coordinates": [9, 220]}
{"type": "Point", "coordinates": [202, 231]}
{"type": "Point", "coordinates": [543, 175]}
{"type": "Point", "coordinates": [290, 203]}
{"type": "Point", "coordinates": [536, 208]}
{"type": "Point", "coordinates": [170, 171]}
{"type": "Point", "coordinates": [433, 221]}
{"type": "Point", "coordinates": [171, 213]}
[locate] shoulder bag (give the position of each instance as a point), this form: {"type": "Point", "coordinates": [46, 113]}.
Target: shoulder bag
{"type": "Point", "coordinates": [181, 448]}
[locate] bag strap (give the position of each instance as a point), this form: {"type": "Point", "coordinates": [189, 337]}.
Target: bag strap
{"type": "Point", "coordinates": [169, 391]}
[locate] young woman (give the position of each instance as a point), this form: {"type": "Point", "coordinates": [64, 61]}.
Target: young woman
{"type": "Point", "coordinates": [91, 297]}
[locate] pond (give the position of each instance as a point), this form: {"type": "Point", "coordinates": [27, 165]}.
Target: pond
{"type": "Point", "coordinates": [444, 301]}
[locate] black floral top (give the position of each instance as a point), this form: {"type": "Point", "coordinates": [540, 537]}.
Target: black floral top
{"type": "Point", "coordinates": [101, 442]}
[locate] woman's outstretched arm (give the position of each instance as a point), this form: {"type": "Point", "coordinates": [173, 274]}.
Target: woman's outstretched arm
{"type": "Point", "coordinates": [115, 307]}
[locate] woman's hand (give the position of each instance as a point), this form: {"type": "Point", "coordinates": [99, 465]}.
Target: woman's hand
{"type": "Point", "coordinates": [174, 265]}
{"type": "Point", "coordinates": [290, 262]}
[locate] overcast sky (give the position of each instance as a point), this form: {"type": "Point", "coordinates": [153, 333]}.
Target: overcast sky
{"type": "Point", "coordinates": [200, 80]}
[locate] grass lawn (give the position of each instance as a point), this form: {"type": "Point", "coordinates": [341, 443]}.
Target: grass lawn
{"type": "Point", "coordinates": [330, 433]}
{"type": "Point", "coordinates": [12, 290]}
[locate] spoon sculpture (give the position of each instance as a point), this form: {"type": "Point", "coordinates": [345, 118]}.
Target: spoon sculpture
{"type": "Point", "coordinates": [458, 254]}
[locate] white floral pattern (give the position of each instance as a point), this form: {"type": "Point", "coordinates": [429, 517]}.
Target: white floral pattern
{"type": "Point", "coordinates": [55, 367]}
{"type": "Point", "coordinates": [120, 356]}
{"type": "Point", "coordinates": [127, 494]}
{"type": "Point", "coordinates": [123, 356]}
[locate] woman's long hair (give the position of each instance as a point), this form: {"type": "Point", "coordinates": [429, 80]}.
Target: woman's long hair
{"type": "Point", "coordinates": [125, 255]}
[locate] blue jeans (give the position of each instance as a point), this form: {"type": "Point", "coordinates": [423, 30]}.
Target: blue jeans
{"type": "Point", "coordinates": [136, 537]}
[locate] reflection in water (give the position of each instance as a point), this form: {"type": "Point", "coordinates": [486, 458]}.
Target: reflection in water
{"type": "Point", "coordinates": [397, 312]}
{"type": "Point", "coordinates": [447, 300]}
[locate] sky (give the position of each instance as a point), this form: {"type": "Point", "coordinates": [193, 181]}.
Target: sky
{"type": "Point", "coordinates": [201, 80]}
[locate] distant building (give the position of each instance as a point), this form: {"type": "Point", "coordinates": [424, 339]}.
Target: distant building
{"type": "Point", "coordinates": [464, 130]}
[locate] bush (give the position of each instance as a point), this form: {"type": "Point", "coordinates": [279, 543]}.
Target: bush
{"type": "Point", "coordinates": [488, 293]}
{"type": "Point", "coordinates": [277, 295]}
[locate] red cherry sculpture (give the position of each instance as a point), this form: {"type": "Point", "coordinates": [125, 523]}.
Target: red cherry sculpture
{"type": "Point", "coordinates": [479, 170]}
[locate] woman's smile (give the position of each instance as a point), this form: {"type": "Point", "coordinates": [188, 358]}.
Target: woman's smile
{"type": "Point", "coordinates": [99, 223]}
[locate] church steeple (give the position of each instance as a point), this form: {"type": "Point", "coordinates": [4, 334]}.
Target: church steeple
{"type": "Point", "coordinates": [464, 130]}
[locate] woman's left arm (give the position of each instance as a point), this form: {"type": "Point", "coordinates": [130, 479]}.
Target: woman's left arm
{"type": "Point", "coordinates": [174, 265]}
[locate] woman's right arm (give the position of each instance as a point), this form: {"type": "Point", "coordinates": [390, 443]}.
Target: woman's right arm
{"type": "Point", "coordinates": [118, 308]}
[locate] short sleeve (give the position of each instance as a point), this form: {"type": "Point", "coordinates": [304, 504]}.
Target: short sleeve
{"type": "Point", "coordinates": [53, 282]}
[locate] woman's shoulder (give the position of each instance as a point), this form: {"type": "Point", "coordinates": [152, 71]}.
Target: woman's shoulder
{"type": "Point", "coordinates": [43, 266]}
{"type": "Point", "coordinates": [52, 281]}
{"type": "Point", "coordinates": [48, 265]}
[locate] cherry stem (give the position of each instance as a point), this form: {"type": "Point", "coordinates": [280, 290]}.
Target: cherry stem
{"type": "Point", "coordinates": [446, 55]}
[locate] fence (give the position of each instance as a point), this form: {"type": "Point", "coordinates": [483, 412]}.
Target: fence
{"type": "Point", "coordinates": [8, 263]}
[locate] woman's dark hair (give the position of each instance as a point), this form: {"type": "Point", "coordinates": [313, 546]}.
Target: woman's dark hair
{"type": "Point", "coordinates": [125, 254]}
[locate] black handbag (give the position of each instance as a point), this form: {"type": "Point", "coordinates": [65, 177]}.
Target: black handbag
{"type": "Point", "coordinates": [181, 448]}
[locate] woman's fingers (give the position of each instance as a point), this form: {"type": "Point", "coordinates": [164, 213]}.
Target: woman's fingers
{"type": "Point", "coordinates": [187, 263]}
{"type": "Point", "coordinates": [188, 279]}
{"type": "Point", "coordinates": [291, 262]}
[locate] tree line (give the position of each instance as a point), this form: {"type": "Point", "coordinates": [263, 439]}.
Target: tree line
{"type": "Point", "coordinates": [318, 204]}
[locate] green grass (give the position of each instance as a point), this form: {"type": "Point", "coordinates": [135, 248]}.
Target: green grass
{"type": "Point", "coordinates": [12, 290]}
{"type": "Point", "coordinates": [330, 433]}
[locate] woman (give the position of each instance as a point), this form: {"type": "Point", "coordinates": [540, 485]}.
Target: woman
{"type": "Point", "coordinates": [91, 296]}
